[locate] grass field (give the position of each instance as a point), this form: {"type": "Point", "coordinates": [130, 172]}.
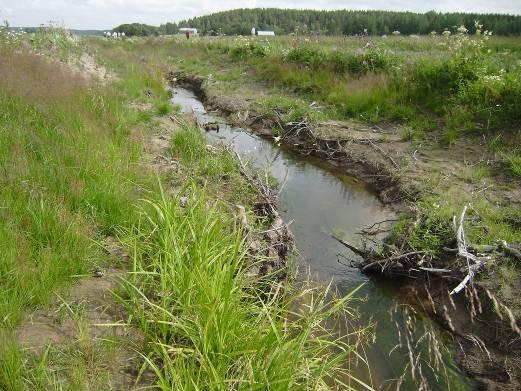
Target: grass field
{"type": "Point", "coordinates": [463, 85]}
{"type": "Point", "coordinates": [76, 169]}
{"type": "Point", "coordinates": [445, 109]}
{"type": "Point", "coordinates": [439, 91]}
{"type": "Point", "coordinates": [73, 156]}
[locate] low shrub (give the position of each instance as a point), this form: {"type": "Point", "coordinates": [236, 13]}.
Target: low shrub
{"type": "Point", "coordinates": [302, 55]}
{"type": "Point", "coordinates": [247, 50]}
{"type": "Point", "coordinates": [372, 60]}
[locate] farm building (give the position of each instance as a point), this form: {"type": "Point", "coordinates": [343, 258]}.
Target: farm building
{"type": "Point", "coordinates": [254, 31]}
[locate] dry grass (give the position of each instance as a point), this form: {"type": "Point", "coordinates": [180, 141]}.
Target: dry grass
{"type": "Point", "coordinates": [38, 78]}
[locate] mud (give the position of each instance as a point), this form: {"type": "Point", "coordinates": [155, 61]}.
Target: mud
{"type": "Point", "coordinates": [79, 322]}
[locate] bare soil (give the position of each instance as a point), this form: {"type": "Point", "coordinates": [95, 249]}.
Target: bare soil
{"type": "Point", "coordinates": [83, 322]}
{"type": "Point", "coordinates": [87, 66]}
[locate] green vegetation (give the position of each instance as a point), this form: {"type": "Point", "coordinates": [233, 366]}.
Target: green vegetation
{"type": "Point", "coordinates": [208, 325]}
{"type": "Point", "coordinates": [72, 174]}
{"type": "Point", "coordinates": [65, 158]}
{"type": "Point", "coordinates": [462, 83]}
{"type": "Point", "coordinates": [449, 89]}
{"type": "Point", "coordinates": [514, 163]}
{"type": "Point", "coordinates": [463, 87]}
{"type": "Point", "coordinates": [69, 178]}
{"type": "Point", "coordinates": [334, 23]}
{"type": "Point", "coordinates": [286, 21]}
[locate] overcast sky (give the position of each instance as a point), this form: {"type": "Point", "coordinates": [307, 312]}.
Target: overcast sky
{"type": "Point", "coordinates": [105, 14]}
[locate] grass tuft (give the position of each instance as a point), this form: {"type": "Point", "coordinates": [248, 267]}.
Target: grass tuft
{"type": "Point", "coordinates": [207, 325]}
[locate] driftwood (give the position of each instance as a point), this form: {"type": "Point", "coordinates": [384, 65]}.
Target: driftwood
{"type": "Point", "coordinates": [402, 262]}
{"type": "Point", "coordinates": [375, 228]}
{"type": "Point", "coordinates": [390, 260]}
{"type": "Point", "coordinates": [267, 198]}
{"type": "Point", "coordinates": [383, 153]}
{"type": "Point", "coordinates": [473, 263]}
{"type": "Point", "coordinates": [469, 252]}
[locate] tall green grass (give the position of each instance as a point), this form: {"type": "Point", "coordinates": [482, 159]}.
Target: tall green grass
{"type": "Point", "coordinates": [70, 176]}
{"type": "Point", "coordinates": [208, 326]}
{"type": "Point", "coordinates": [67, 178]}
{"type": "Point", "coordinates": [69, 156]}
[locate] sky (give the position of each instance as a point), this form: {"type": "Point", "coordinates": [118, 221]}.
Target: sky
{"type": "Point", "coordinates": [105, 14]}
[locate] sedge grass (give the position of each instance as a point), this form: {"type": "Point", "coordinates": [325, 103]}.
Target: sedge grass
{"type": "Point", "coordinates": [71, 177]}
{"type": "Point", "coordinates": [207, 325]}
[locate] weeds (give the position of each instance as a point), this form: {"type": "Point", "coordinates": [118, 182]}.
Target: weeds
{"type": "Point", "coordinates": [476, 173]}
{"type": "Point", "coordinates": [163, 108]}
{"type": "Point", "coordinates": [514, 163]}
{"type": "Point", "coordinates": [207, 326]}
{"type": "Point", "coordinates": [70, 161]}
{"type": "Point", "coordinates": [456, 83]}
{"type": "Point", "coordinates": [69, 176]}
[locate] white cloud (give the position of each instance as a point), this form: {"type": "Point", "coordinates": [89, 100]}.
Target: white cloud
{"type": "Point", "coordinates": [103, 14]}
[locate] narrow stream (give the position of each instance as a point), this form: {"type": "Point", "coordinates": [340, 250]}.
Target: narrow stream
{"type": "Point", "coordinates": [320, 200]}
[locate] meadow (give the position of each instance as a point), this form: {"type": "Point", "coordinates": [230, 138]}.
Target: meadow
{"type": "Point", "coordinates": [444, 108]}
{"type": "Point", "coordinates": [75, 170]}
{"type": "Point", "coordinates": [73, 156]}
{"type": "Point", "coordinates": [462, 84]}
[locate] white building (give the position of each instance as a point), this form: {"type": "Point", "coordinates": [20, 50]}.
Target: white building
{"type": "Point", "coordinates": [254, 31]}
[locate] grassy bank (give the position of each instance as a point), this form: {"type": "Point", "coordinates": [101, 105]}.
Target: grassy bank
{"type": "Point", "coordinates": [74, 171]}
{"type": "Point", "coordinates": [69, 178]}
{"type": "Point", "coordinates": [441, 115]}
{"type": "Point", "coordinates": [447, 86]}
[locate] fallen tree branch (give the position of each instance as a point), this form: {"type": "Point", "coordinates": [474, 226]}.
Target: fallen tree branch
{"type": "Point", "coordinates": [464, 253]}
{"type": "Point", "coordinates": [356, 250]}
{"type": "Point", "coordinates": [435, 270]}
{"type": "Point", "coordinates": [263, 190]}
{"type": "Point", "coordinates": [391, 259]}
{"type": "Point", "coordinates": [374, 146]}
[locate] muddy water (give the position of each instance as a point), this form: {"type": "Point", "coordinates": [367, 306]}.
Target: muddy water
{"type": "Point", "coordinates": [319, 201]}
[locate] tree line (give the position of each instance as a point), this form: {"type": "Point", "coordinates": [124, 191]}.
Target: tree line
{"type": "Point", "coordinates": [340, 22]}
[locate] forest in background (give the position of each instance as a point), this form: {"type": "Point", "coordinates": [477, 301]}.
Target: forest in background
{"type": "Point", "coordinates": [340, 22]}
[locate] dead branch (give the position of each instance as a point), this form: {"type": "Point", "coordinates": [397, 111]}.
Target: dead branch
{"type": "Point", "coordinates": [384, 153]}
{"type": "Point", "coordinates": [268, 199]}
{"type": "Point", "coordinates": [435, 270]}
{"type": "Point", "coordinates": [356, 250]}
{"type": "Point", "coordinates": [473, 262]}
{"type": "Point", "coordinates": [376, 147]}
{"type": "Point", "coordinates": [394, 258]}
